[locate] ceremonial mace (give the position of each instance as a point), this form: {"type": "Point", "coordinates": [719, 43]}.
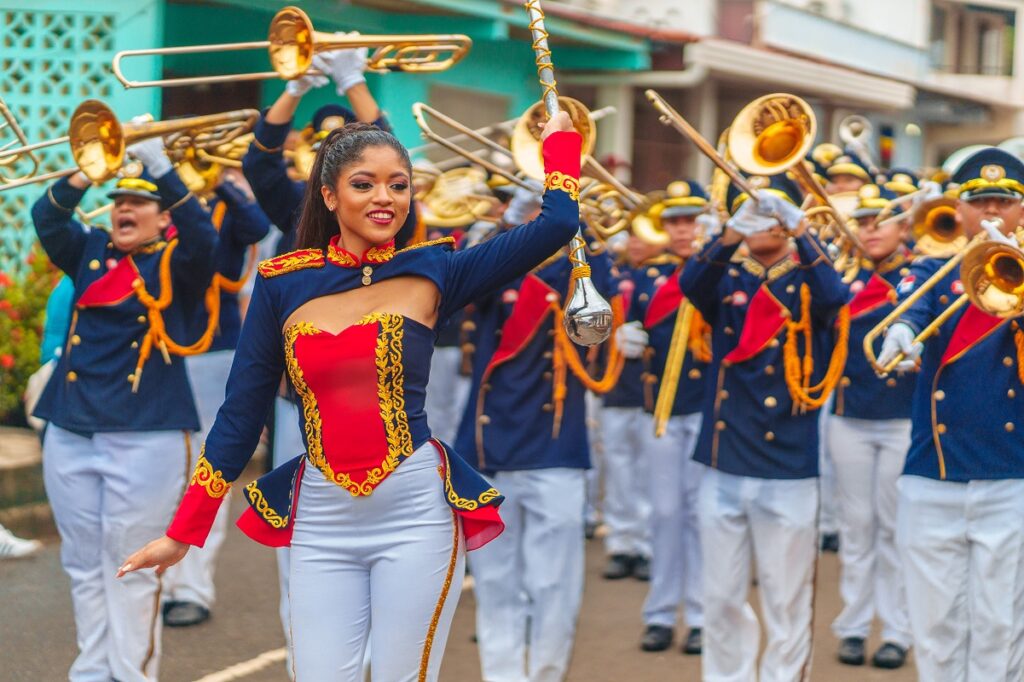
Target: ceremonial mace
{"type": "Point", "coordinates": [588, 317]}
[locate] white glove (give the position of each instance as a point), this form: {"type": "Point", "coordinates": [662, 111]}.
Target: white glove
{"type": "Point", "coordinates": [523, 203]}
{"type": "Point", "coordinates": [710, 223]}
{"type": "Point", "coordinates": [346, 67]}
{"type": "Point", "coordinates": [900, 339]}
{"type": "Point", "coordinates": [297, 87]}
{"type": "Point", "coordinates": [991, 227]}
{"type": "Point", "coordinates": [151, 153]}
{"type": "Point", "coordinates": [631, 340]}
{"type": "Point", "coordinates": [762, 215]}
{"type": "Point", "coordinates": [929, 190]}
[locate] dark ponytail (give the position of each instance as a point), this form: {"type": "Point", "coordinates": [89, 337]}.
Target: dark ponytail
{"type": "Point", "coordinates": [341, 148]}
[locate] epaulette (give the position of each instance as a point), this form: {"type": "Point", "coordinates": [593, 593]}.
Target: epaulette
{"type": "Point", "coordinates": [433, 242]}
{"type": "Point", "coordinates": [302, 259]}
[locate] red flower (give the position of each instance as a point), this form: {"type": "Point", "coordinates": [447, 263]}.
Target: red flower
{"type": "Point", "coordinates": [13, 314]}
{"type": "Point", "coordinates": [5, 305]}
{"type": "Point", "coordinates": [5, 281]}
{"type": "Point", "coordinates": [7, 361]}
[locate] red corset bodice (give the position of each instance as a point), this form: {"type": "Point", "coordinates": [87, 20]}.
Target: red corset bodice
{"type": "Point", "coordinates": [362, 393]}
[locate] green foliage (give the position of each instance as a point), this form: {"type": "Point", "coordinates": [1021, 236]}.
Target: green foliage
{"type": "Point", "coordinates": [22, 313]}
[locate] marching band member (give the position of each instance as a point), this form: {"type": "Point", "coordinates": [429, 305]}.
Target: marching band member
{"type": "Point", "coordinates": [772, 314]}
{"type": "Point", "coordinates": [626, 509]}
{"type": "Point", "coordinates": [120, 410]}
{"type": "Point", "coordinates": [239, 223]}
{"type": "Point", "coordinates": [867, 436]}
{"type": "Point", "coordinates": [525, 429]}
{"type": "Point", "coordinates": [281, 198]}
{"type": "Point", "coordinates": [674, 478]}
{"type": "Point", "coordinates": [960, 521]}
{"type": "Point", "coordinates": [847, 173]}
{"type": "Point", "coordinates": [374, 538]}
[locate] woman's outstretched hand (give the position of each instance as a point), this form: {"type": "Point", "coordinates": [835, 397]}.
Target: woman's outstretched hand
{"type": "Point", "coordinates": [558, 122]}
{"type": "Point", "coordinates": [160, 554]}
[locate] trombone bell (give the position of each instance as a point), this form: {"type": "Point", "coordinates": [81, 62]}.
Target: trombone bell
{"type": "Point", "coordinates": [993, 276]}
{"type": "Point", "coordinates": [771, 134]}
{"type": "Point", "coordinates": [525, 142]}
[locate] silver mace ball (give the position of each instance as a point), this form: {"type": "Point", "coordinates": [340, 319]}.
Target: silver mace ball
{"type": "Point", "coordinates": [588, 317]}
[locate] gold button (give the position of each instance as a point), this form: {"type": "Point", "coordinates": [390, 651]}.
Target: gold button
{"type": "Point", "coordinates": [94, 264]}
{"type": "Point", "coordinates": [1011, 393]}
{"type": "Point", "coordinates": [729, 331]}
{"type": "Point", "coordinates": [1008, 361]}
{"type": "Point", "coordinates": [723, 394]}
{"type": "Point", "coordinates": [769, 370]}
{"type": "Point", "coordinates": [547, 355]}
{"type": "Point", "coordinates": [469, 325]}
{"type": "Point", "coordinates": [136, 283]}
{"type": "Point", "coordinates": [551, 332]}
{"type": "Point", "coordinates": [904, 271]}
{"type": "Point", "coordinates": [72, 376]}
{"type": "Point", "coordinates": [774, 343]}
{"type": "Point", "coordinates": [845, 381]}
{"type": "Point", "coordinates": [366, 280]}
{"type": "Point", "coordinates": [939, 395]}
{"type": "Point", "coordinates": [694, 374]}
{"type": "Point", "coordinates": [943, 299]}
{"type": "Point", "coordinates": [141, 319]}
{"type": "Point", "coordinates": [135, 344]}
{"type": "Point", "coordinates": [941, 428]}
{"type": "Point", "coordinates": [76, 339]}
{"type": "Point", "coordinates": [547, 376]}
{"type": "Point", "coordinates": [770, 402]}
{"type": "Point", "coordinates": [727, 300]}
{"type": "Point", "coordinates": [1008, 426]}
{"type": "Point", "coordinates": [547, 407]}
{"type": "Point", "coordinates": [367, 270]}
{"type": "Point", "coordinates": [733, 272]}
{"type": "Point", "coordinates": [790, 289]}
{"type": "Point", "coordinates": [485, 387]}
{"type": "Point", "coordinates": [468, 347]}
{"type": "Point", "coordinates": [643, 297]}
{"type": "Point", "coordinates": [890, 382]}
{"type": "Point", "coordinates": [131, 378]}
{"type": "Point", "coordinates": [484, 419]}
{"type": "Point", "coordinates": [653, 272]}
{"type": "Point", "coordinates": [769, 436]}
{"type": "Point", "coordinates": [720, 425]}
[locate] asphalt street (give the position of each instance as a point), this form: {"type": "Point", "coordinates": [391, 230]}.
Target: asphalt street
{"type": "Point", "coordinates": [243, 640]}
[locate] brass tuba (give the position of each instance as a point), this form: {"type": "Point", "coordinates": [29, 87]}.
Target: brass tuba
{"type": "Point", "coordinates": [292, 43]}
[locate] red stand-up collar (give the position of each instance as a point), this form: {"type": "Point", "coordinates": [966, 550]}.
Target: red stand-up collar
{"type": "Point", "coordinates": [374, 255]}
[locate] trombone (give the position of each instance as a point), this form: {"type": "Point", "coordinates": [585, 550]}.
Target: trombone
{"type": "Point", "coordinates": [99, 140]}
{"type": "Point", "coordinates": [292, 43]}
{"type": "Point", "coordinates": [771, 135]}
{"type": "Point", "coordinates": [605, 199]}
{"type": "Point", "coordinates": [7, 161]}
{"type": "Point", "coordinates": [993, 277]}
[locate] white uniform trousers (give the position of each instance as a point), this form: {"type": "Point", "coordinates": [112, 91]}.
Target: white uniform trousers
{"type": "Point", "coordinates": [961, 545]}
{"type": "Point", "coordinates": [674, 483]}
{"type": "Point", "coordinates": [868, 456]}
{"type": "Point", "coordinates": [593, 508]}
{"type": "Point", "coordinates": [447, 393]}
{"type": "Point", "coordinates": [529, 581]}
{"type": "Point", "coordinates": [627, 504]}
{"type": "Point", "coordinates": [191, 580]}
{"type": "Point", "coordinates": [288, 443]}
{"type": "Point", "coordinates": [394, 558]}
{"type": "Point", "coordinates": [112, 493]}
{"type": "Point", "coordinates": [828, 515]}
{"type": "Point", "coordinates": [774, 522]}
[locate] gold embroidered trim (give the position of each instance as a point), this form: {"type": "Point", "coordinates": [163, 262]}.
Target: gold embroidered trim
{"type": "Point", "coordinates": [390, 394]}
{"type": "Point", "coordinates": [566, 183]}
{"type": "Point", "coordinates": [155, 247]}
{"type": "Point", "coordinates": [432, 242]}
{"type": "Point", "coordinates": [263, 507]}
{"type": "Point", "coordinates": [49, 195]}
{"type": "Point", "coordinates": [341, 257]}
{"type": "Point", "coordinates": [428, 643]}
{"type": "Point", "coordinates": [380, 254]}
{"type": "Point", "coordinates": [269, 150]}
{"type": "Point", "coordinates": [770, 274]}
{"type": "Point", "coordinates": [290, 262]}
{"type": "Point", "coordinates": [208, 477]}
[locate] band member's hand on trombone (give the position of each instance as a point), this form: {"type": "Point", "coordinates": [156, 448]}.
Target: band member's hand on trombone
{"type": "Point", "coordinates": [769, 212]}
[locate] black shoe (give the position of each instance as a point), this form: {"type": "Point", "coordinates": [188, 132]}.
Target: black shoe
{"type": "Point", "coordinates": [642, 568]}
{"type": "Point", "coordinates": [656, 638]}
{"type": "Point", "coordinates": [830, 542]}
{"type": "Point", "coordinates": [590, 529]}
{"type": "Point", "coordinates": [167, 606]}
{"type": "Point", "coordinates": [619, 566]}
{"type": "Point", "coordinates": [889, 656]}
{"type": "Point", "coordinates": [694, 642]}
{"type": "Point", "coordinates": [851, 651]}
{"type": "Point", "coordinates": [185, 613]}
